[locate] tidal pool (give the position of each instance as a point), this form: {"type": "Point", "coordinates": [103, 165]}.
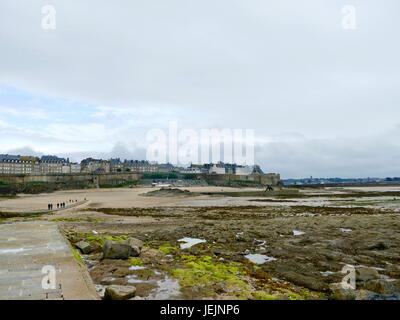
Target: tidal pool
{"type": "Point", "coordinates": [190, 242]}
{"type": "Point", "coordinates": [327, 273]}
{"type": "Point", "coordinates": [298, 232]}
{"type": "Point", "coordinates": [259, 258]}
{"type": "Point", "coordinates": [136, 268]}
{"type": "Point", "coordinates": [167, 289]}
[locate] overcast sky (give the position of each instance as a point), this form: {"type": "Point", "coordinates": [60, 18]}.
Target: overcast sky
{"type": "Point", "coordinates": [323, 100]}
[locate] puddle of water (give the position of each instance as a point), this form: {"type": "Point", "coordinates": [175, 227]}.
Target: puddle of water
{"type": "Point", "coordinates": [167, 289]}
{"type": "Point", "coordinates": [298, 232]}
{"type": "Point", "coordinates": [190, 242]}
{"type": "Point", "coordinates": [133, 280]}
{"type": "Point", "coordinates": [345, 230]}
{"type": "Point", "coordinates": [327, 273]}
{"type": "Point", "coordinates": [260, 242]}
{"type": "Point", "coordinates": [259, 258]}
{"type": "Point", "coordinates": [136, 268]}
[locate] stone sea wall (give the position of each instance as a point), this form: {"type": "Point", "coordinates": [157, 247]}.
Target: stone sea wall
{"type": "Point", "coordinates": [43, 183]}
{"type": "Point", "coordinates": [271, 179]}
{"type": "Point", "coordinates": [47, 183]}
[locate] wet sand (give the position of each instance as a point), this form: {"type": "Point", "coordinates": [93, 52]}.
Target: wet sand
{"type": "Point", "coordinates": [104, 198]}
{"type": "Point", "coordinates": [306, 238]}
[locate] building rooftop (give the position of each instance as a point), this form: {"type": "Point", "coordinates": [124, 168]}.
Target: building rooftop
{"type": "Point", "coordinates": [53, 159]}
{"type": "Point", "coordinates": [9, 158]}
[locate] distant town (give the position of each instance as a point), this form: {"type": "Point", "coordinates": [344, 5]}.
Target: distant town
{"type": "Point", "coordinates": [50, 164]}
{"type": "Point", "coordinates": [340, 181]}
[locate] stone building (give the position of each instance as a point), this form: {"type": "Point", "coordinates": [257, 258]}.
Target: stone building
{"type": "Point", "coordinates": [71, 168]}
{"type": "Point", "coordinates": [139, 166]}
{"type": "Point", "coordinates": [15, 164]}
{"type": "Point", "coordinates": [53, 165]}
{"type": "Point", "coordinates": [116, 165]}
{"type": "Point", "coordinates": [75, 168]}
{"type": "Point", "coordinates": [91, 165]}
{"type": "Point", "coordinates": [218, 168]}
{"type": "Point", "coordinates": [247, 170]}
{"type": "Point", "coordinates": [166, 167]}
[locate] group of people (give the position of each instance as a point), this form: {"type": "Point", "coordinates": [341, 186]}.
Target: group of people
{"type": "Point", "coordinates": [61, 205]}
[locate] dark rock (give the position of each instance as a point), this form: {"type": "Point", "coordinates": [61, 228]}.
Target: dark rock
{"type": "Point", "coordinates": [217, 252]}
{"type": "Point", "coordinates": [379, 286]}
{"type": "Point", "coordinates": [84, 247]}
{"type": "Point", "coordinates": [363, 259]}
{"type": "Point", "coordinates": [96, 247]}
{"type": "Point", "coordinates": [243, 238]}
{"type": "Point", "coordinates": [116, 250]}
{"type": "Point", "coordinates": [309, 281]}
{"type": "Point", "coordinates": [333, 255]}
{"type": "Point", "coordinates": [366, 274]}
{"type": "Point", "coordinates": [135, 245]}
{"type": "Point", "coordinates": [338, 293]}
{"type": "Point", "coordinates": [121, 272]}
{"type": "Point", "coordinates": [377, 246]}
{"type": "Point", "coordinates": [115, 292]}
{"type": "Point", "coordinates": [107, 281]}
{"type": "Point", "coordinates": [365, 295]}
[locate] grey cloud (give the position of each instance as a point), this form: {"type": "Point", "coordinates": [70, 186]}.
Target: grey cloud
{"type": "Point", "coordinates": [275, 66]}
{"type": "Point", "coordinates": [365, 156]}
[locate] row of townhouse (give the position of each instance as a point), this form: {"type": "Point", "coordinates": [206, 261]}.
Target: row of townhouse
{"type": "Point", "coordinates": [91, 165]}
{"type": "Point", "coordinates": [12, 164]}
{"type": "Point", "coordinates": [16, 164]}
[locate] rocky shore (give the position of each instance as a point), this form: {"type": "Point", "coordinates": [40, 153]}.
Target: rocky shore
{"type": "Point", "coordinates": [302, 251]}
{"type": "Point", "coordinates": [324, 244]}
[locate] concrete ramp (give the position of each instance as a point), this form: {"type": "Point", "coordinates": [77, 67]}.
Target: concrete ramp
{"type": "Point", "coordinates": [36, 263]}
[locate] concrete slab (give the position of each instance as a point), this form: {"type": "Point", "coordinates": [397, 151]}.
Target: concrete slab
{"type": "Point", "coordinates": [26, 248]}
